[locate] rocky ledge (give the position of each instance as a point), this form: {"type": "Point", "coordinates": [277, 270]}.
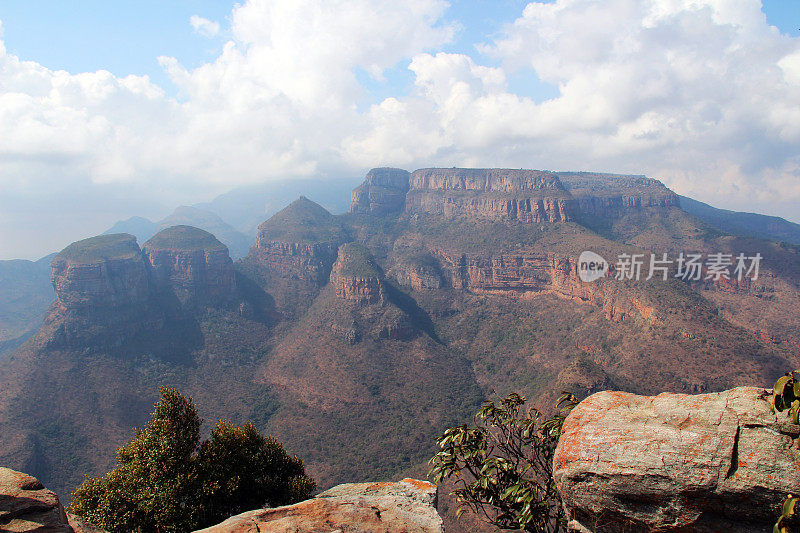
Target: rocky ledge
{"type": "Point", "coordinates": [673, 462]}
{"type": "Point", "coordinates": [407, 506]}
{"type": "Point", "coordinates": [25, 505]}
{"type": "Point", "coordinates": [193, 264]}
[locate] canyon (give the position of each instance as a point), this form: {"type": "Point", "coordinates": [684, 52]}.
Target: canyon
{"type": "Point", "coordinates": [384, 325]}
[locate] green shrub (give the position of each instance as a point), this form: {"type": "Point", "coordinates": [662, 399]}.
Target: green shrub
{"type": "Point", "coordinates": [503, 466]}
{"type": "Point", "coordinates": [166, 481]}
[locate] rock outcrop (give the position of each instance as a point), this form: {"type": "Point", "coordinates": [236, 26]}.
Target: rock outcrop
{"type": "Point", "coordinates": [192, 264]}
{"type": "Point", "coordinates": [26, 505]}
{"type": "Point", "coordinates": [382, 193]}
{"type": "Point", "coordinates": [524, 195]}
{"type": "Point", "coordinates": [300, 242]}
{"type": "Point", "coordinates": [355, 276]}
{"type": "Point", "coordinates": [674, 462]}
{"type": "Point", "coordinates": [407, 506]}
{"type": "Point", "coordinates": [610, 195]}
{"type": "Point", "coordinates": [533, 196]}
{"type": "Point", "coordinates": [100, 272]}
{"type": "Point", "coordinates": [104, 293]}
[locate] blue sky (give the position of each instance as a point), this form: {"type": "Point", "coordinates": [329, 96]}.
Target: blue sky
{"type": "Point", "coordinates": [702, 94]}
{"type": "Point", "coordinates": [127, 37]}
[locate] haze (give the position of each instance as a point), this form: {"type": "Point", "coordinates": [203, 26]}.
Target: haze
{"type": "Point", "coordinates": [111, 110]}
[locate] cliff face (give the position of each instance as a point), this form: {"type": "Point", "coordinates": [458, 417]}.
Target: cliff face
{"type": "Point", "coordinates": [382, 193]}
{"type": "Point", "coordinates": [532, 196]}
{"type": "Point", "coordinates": [355, 276]}
{"type": "Point", "coordinates": [193, 264]}
{"type": "Point", "coordinates": [610, 195]}
{"type": "Point", "coordinates": [299, 242]}
{"type": "Point", "coordinates": [104, 293]}
{"type": "Point", "coordinates": [525, 195]}
{"type": "Point", "coordinates": [100, 272]}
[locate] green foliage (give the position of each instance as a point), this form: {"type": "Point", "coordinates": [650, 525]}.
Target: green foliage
{"type": "Point", "coordinates": [165, 482]}
{"type": "Point", "coordinates": [503, 466]}
{"type": "Point", "coordinates": [788, 516]}
{"type": "Point", "coordinates": [786, 396]}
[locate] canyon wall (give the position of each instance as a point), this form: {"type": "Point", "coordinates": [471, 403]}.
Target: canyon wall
{"type": "Point", "coordinates": [382, 193]}
{"type": "Point", "coordinates": [193, 264]}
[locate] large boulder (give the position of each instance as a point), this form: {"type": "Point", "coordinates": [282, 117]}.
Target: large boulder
{"type": "Point", "coordinates": [676, 462]}
{"type": "Point", "coordinates": [25, 505]}
{"type": "Point", "coordinates": [407, 506]}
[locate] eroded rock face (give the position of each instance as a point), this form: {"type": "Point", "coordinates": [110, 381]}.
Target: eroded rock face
{"type": "Point", "coordinates": [675, 462]}
{"type": "Point", "coordinates": [407, 506]}
{"type": "Point", "coordinates": [299, 242]}
{"type": "Point", "coordinates": [356, 277]}
{"type": "Point", "coordinates": [193, 264]}
{"type": "Point", "coordinates": [382, 193]}
{"type": "Point", "coordinates": [26, 505]}
{"type": "Point", "coordinates": [609, 195]}
{"type": "Point", "coordinates": [525, 195]}
{"type": "Point", "coordinates": [104, 293]}
{"type": "Point", "coordinates": [103, 271]}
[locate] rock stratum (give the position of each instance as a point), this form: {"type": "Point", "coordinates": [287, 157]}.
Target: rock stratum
{"type": "Point", "coordinates": [407, 506]}
{"type": "Point", "coordinates": [532, 196]}
{"type": "Point", "coordinates": [673, 462]}
{"type": "Point", "coordinates": [26, 505]}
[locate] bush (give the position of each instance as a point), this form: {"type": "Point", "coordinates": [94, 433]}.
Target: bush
{"type": "Point", "coordinates": [503, 466]}
{"type": "Point", "coordinates": [165, 481]}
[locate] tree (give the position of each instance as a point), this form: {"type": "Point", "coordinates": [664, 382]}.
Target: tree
{"type": "Point", "coordinates": [166, 481]}
{"type": "Point", "coordinates": [503, 465]}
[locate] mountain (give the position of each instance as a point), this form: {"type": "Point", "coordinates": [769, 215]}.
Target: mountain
{"type": "Point", "coordinates": [25, 293]}
{"type": "Point", "coordinates": [357, 338]}
{"type": "Point", "coordinates": [247, 207]}
{"type": "Point", "coordinates": [744, 224]}
{"type": "Point", "coordinates": [142, 228]}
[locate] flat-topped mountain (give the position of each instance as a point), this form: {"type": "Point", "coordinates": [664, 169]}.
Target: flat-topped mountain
{"type": "Point", "coordinates": [192, 263]}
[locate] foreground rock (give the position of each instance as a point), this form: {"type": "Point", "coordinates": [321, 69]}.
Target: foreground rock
{"type": "Point", "coordinates": [408, 506]}
{"type": "Point", "coordinates": [675, 462]}
{"type": "Point", "coordinates": [25, 505]}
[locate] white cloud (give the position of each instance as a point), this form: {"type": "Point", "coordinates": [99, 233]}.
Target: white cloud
{"type": "Point", "coordinates": [701, 93]}
{"type": "Point", "coordinates": [203, 26]}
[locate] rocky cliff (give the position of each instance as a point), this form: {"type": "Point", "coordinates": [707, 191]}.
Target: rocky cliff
{"type": "Point", "coordinates": [193, 265]}
{"type": "Point", "coordinates": [300, 242]}
{"type": "Point", "coordinates": [508, 194]}
{"type": "Point", "coordinates": [675, 462]}
{"type": "Point", "coordinates": [104, 293]}
{"type": "Point", "coordinates": [525, 195]}
{"type": "Point", "coordinates": [382, 193]}
{"type": "Point", "coordinates": [609, 195]}
{"type": "Point", "coordinates": [407, 506]}
{"type": "Point", "coordinates": [355, 275]}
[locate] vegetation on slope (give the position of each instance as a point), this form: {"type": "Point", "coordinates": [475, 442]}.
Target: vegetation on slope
{"type": "Point", "coordinates": [187, 238]}
{"type": "Point", "coordinates": [101, 248]}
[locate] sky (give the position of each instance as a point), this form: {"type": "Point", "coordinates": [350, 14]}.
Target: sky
{"type": "Point", "coordinates": [115, 109]}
